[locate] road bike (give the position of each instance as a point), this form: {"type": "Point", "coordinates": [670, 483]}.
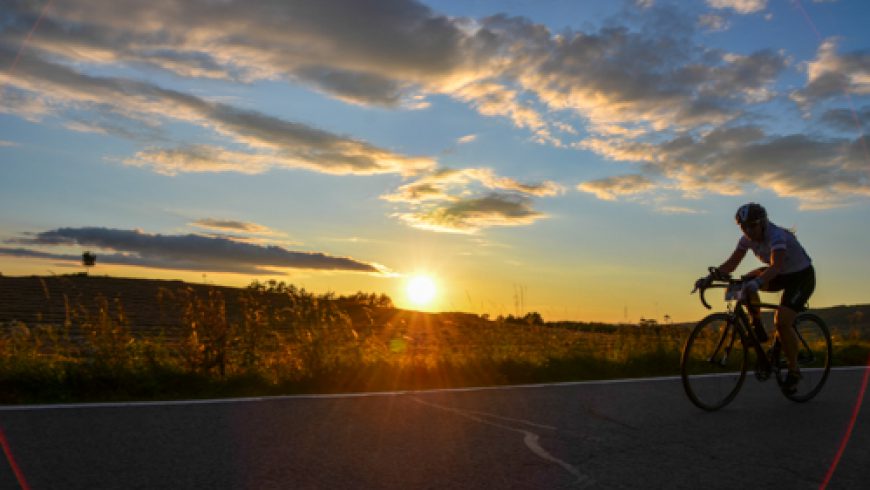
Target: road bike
{"type": "Point", "coordinates": [721, 347]}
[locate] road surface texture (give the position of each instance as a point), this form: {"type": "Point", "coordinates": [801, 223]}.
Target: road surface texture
{"type": "Point", "coordinates": [630, 434]}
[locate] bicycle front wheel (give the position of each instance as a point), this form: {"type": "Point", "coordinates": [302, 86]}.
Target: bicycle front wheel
{"type": "Point", "coordinates": [814, 357]}
{"type": "Point", "coordinates": [713, 364]}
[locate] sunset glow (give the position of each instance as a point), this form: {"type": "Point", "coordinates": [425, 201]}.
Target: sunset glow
{"type": "Point", "coordinates": [421, 290]}
{"type": "Point", "coordinates": [583, 160]}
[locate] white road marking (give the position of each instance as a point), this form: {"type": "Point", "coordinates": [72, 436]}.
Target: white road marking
{"type": "Point", "coordinates": [218, 401]}
{"type": "Point", "coordinates": [530, 439]}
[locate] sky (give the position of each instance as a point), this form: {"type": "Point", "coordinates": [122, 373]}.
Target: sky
{"type": "Point", "coordinates": [579, 159]}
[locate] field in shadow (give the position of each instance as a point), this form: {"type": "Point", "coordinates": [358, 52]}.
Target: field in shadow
{"type": "Point", "coordinates": [76, 338]}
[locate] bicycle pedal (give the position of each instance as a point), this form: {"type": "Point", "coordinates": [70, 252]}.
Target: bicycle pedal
{"type": "Point", "coordinates": [762, 374]}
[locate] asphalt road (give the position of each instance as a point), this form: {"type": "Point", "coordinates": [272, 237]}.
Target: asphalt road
{"type": "Point", "coordinates": [633, 434]}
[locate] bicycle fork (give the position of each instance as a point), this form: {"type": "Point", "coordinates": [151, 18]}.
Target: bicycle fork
{"type": "Point", "coordinates": [723, 360]}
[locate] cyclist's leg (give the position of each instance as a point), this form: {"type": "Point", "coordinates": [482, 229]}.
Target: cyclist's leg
{"type": "Point", "coordinates": [784, 320]}
{"type": "Point", "coordinates": [797, 289]}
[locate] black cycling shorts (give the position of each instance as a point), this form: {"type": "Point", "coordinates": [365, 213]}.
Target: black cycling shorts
{"type": "Point", "coordinates": [796, 287]}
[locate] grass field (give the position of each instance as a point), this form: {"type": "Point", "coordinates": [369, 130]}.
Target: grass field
{"type": "Point", "coordinates": [276, 339]}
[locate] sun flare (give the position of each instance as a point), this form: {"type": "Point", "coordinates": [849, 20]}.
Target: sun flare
{"type": "Point", "coordinates": [421, 290]}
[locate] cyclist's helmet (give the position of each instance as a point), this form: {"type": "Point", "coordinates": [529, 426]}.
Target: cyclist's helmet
{"type": "Point", "coordinates": [749, 213]}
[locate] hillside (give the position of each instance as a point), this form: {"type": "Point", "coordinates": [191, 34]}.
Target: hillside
{"type": "Point", "coordinates": [152, 305]}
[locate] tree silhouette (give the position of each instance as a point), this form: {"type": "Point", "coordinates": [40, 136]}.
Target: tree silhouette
{"type": "Point", "coordinates": [88, 260]}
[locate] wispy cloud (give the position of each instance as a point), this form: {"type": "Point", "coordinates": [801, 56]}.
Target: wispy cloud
{"type": "Point", "coordinates": [612, 187]}
{"type": "Point", "coordinates": [677, 210]}
{"type": "Point", "coordinates": [271, 142]}
{"type": "Point", "coordinates": [739, 6]}
{"type": "Point", "coordinates": [468, 138]}
{"type": "Point", "coordinates": [713, 22]}
{"type": "Point", "coordinates": [234, 226]}
{"type": "Point", "coordinates": [183, 252]}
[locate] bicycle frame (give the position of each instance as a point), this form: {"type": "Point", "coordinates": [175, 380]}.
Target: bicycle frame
{"type": "Point", "coordinates": [742, 318]}
{"type": "Point", "coordinates": [739, 318]}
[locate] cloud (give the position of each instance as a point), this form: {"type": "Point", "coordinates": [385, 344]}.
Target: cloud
{"type": "Point", "coordinates": [184, 252]}
{"type": "Point", "coordinates": [224, 225]}
{"type": "Point", "coordinates": [470, 215]}
{"type": "Point", "coordinates": [21, 103]}
{"type": "Point", "coordinates": [401, 51]}
{"type": "Point", "coordinates": [832, 74]}
{"type": "Point", "coordinates": [621, 149]}
{"type": "Point", "coordinates": [442, 185]}
{"type": "Point", "coordinates": [739, 6]}
{"type": "Point", "coordinates": [847, 120]}
{"type": "Point", "coordinates": [818, 171]}
{"type": "Point", "coordinates": [467, 200]}
{"type": "Point", "coordinates": [35, 254]}
{"type": "Point", "coordinates": [645, 89]}
{"type": "Point", "coordinates": [351, 158]}
{"type": "Point", "coordinates": [353, 87]}
{"type": "Point", "coordinates": [677, 210]}
{"type": "Point", "coordinates": [713, 22]}
{"type": "Point", "coordinates": [271, 142]}
{"type": "Point", "coordinates": [497, 99]}
{"type": "Point", "coordinates": [639, 81]}
{"type": "Point", "coordinates": [354, 50]}
{"type": "Point", "coordinates": [468, 138]}
{"type": "Point", "coordinates": [610, 188]}
{"type": "Point", "coordinates": [4, 143]}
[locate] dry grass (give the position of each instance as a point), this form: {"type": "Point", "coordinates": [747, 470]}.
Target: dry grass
{"type": "Point", "coordinates": [273, 338]}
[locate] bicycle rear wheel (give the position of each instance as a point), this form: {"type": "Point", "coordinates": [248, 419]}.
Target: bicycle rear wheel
{"type": "Point", "coordinates": [814, 357]}
{"type": "Point", "coordinates": [713, 364]}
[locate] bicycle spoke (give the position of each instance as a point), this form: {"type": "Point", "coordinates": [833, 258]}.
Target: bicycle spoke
{"type": "Point", "coordinates": [714, 363]}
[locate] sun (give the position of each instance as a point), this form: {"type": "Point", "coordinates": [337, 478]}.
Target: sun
{"type": "Point", "coordinates": [421, 290]}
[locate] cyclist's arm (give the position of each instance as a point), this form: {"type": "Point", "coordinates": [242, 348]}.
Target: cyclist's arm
{"type": "Point", "coordinates": [733, 261]}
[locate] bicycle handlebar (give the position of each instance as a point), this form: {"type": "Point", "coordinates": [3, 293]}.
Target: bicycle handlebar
{"type": "Point", "coordinates": [715, 280]}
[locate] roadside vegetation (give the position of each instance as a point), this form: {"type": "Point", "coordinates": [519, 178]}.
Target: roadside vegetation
{"type": "Point", "coordinates": [275, 338]}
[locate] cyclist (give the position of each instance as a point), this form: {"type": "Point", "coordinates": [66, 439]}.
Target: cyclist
{"type": "Point", "coordinates": [789, 269]}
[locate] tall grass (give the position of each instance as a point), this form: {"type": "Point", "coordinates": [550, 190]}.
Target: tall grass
{"type": "Point", "coordinates": [277, 338]}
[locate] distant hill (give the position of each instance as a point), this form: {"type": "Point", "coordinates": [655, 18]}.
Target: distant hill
{"type": "Point", "coordinates": [153, 306]}
{"type": "Point", "coordinates": [150, 307]}
{"type": "Point", "coordinates": [55, 299]}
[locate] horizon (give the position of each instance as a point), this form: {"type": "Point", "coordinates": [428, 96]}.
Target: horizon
{"type": "Point", "coordinates": [511, 316]}
{"type": "Point", "coordinates": [582, 161]}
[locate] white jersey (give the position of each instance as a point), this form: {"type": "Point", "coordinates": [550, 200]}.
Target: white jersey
{"type": "Point", "coordinates": [776, 238]}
